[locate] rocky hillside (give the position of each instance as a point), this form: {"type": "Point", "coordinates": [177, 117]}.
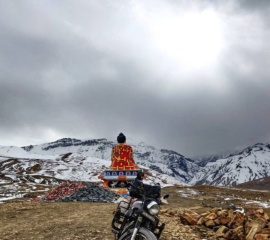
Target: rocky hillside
{"type": "Point", "coordinates": [258, 184]}
{"type": "Point", "coordinates": [247, 165]}
{"type": "Point", "coordinates": [23, 172]}
{"type": "Point", "coordinates": [76, 159]}
{"type": "Point", "coordinates": [204, 159]}
{"type": "Point", "coordinates": [161, 160]}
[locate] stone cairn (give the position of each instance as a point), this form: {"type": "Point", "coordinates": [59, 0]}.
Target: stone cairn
{"type": "Point", "coordinates": [79, 192]}
{"type": "Point", "coordinates": [218, 224]}
{"type": "Point", "coordinates": [91, 193]}
{"type": "Point", "coordinates": [62, 190]}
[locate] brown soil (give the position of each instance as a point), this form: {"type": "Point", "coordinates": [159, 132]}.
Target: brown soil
{"type": "Point", "coordinates": [91, 221]}
{"type": "Point", "coordinates": [259, 184]}
{"type": "Point", "coordinates": [59, 221]}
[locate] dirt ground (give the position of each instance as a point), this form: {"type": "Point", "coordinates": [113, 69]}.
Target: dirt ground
{"type": "Point", "coordinates": [91, 221]}
{"type": "Point", "coordinates": [56, 221]}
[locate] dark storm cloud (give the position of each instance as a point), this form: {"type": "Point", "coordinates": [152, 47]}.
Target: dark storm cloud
{"type": "Point", "coordinates": [89, 69]}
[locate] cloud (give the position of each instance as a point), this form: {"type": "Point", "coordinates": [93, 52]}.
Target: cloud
{"type": "Point", "coordinates": [92, 69]}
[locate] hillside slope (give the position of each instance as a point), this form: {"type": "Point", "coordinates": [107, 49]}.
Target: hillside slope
{"type": "Point", "coordinates": [34, 173]}
{"type": "Point", "coordinates": [83, 158]}
{"type": "Point", "coordinates": [249, 164]}
{"type": "Point", "coordinates": [161, 160]}
{"type": "Point", "coordinates": [258, 184]}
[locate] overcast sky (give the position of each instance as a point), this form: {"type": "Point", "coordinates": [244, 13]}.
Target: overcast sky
{"type": "Point", "coordinates": [191, 76]}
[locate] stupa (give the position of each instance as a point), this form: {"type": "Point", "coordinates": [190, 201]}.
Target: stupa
{"type": "Point", "coordinates": [122, 170]}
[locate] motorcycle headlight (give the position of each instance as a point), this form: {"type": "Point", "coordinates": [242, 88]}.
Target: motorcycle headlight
{"type": "Point", "coordinates": [153, 208]}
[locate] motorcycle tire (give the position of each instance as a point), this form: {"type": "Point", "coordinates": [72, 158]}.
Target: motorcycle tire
{"type": "Point", "coordinates": [143, 234]}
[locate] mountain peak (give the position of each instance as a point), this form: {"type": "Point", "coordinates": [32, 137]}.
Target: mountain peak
{"type": "Point", "coordinates": [164, 161]}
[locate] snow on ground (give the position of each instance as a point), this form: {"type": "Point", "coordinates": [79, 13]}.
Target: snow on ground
{"type": "Point", "coordinates": [162, 179]}
{"type": "Point", "coordinates": [23, 175]}
{"type": "Point", "coordinates": [262, 204]}
{"type": "Point", "coordinates": [187, 192]}
{"type": "Point", "coordinates": [17, 152]}
{"type": "Point", "coordinates": [161, 160]}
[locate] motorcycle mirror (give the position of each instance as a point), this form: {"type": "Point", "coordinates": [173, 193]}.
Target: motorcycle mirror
{"type": "Point", "coordinates": [166, 196]}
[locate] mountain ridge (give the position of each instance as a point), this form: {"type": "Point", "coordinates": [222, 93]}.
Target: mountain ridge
{"type": "Point", "coordinates": [248, 164]}
{"type": "Point", "coordinates": [162, 160]}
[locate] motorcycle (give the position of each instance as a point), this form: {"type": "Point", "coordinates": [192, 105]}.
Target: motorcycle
{"type": "Point", "coordinates": [137, 218]}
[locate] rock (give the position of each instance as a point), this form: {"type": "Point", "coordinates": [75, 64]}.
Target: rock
{"type": "Point", "coordinates": [224, 220]}
{"type": "Point", "coordinates": [164, 201]}
{"type": "Point", "coordinates": [222, 213]}
{"type": "Point", "coordinates": [163, 211]}
{"type": "Point", "coordinates": [254, 229]}
{"type": "Point", "coordinates": [211, 216]}
{"type": "Point", "coordinates": [187, 219]}
{"type": "Point", "coordinates": [265, 231]}
{"type": "Point", "coordinates": [172, 213]}
{"type": "Point", "coordinates": [217, 221]}
{"type": "Point", "coordinates": [231, 213]}
{"type": "Point", "coordinates": [195, 216]}
{"type": "Point", "coordinates": [210, 223]}
{"type": "Point", "coordinates": [237, 220]}
{"type": "Point", "coordinates": [224, 224]}
{"type": "Point", "coordinates": [250, 212]}
{"type": "Point", "coordinates": [221, 231]}
{"type": "Point", "coordinates": [216, 210]}
{"type": "Point", "coordinates": [90, 193]}
{"type": "Point", "coordinates": [201, 221]}
{"type": "Point", "coordinates": [228, 234]}
{"type": "Point", "coordinates": [260, 211]}
{"type": "Point", "coordinates": [266, 217]}
{"type": "Point", "coordinates": [204, 214]}
{"type": "Point", "coordinates": [262, 237]}
{"type": "Point", "coordinates": [238, 230]}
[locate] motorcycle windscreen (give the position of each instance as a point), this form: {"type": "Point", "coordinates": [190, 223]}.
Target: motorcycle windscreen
{"type": "Point", "coordinates": [152, 191]}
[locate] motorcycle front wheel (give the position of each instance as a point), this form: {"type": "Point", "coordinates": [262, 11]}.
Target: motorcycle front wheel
{"type": "Point", "coordinates": [143, 234]}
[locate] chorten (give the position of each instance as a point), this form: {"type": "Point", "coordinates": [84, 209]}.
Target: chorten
{"type": "Point", "coordinates": [122, 170]}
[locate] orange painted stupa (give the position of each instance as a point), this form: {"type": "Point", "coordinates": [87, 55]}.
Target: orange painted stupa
{"type": "Point", "coordinates": [123, 168]}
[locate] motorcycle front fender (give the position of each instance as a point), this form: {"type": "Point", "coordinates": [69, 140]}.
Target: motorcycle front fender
{"type": "Point", "coordinates": [142, 231]}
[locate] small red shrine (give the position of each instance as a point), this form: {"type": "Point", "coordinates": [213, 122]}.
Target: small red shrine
{"type": "Point", "coordinates": [122, 170]}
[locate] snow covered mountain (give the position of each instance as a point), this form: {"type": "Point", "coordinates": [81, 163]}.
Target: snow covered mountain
{"type": "Point", "coordinates": [84, 160]}
{"type": "Point", "coordinates": [249, 164]}
{"type": "Point", "coordinates": [23, 172]}
{"type": "Point", "coordinates": [204, 159]}
{"type": "Point", "coordinates": [70, 166]}
{"type": "Point", "coordinates": [163, 161]}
